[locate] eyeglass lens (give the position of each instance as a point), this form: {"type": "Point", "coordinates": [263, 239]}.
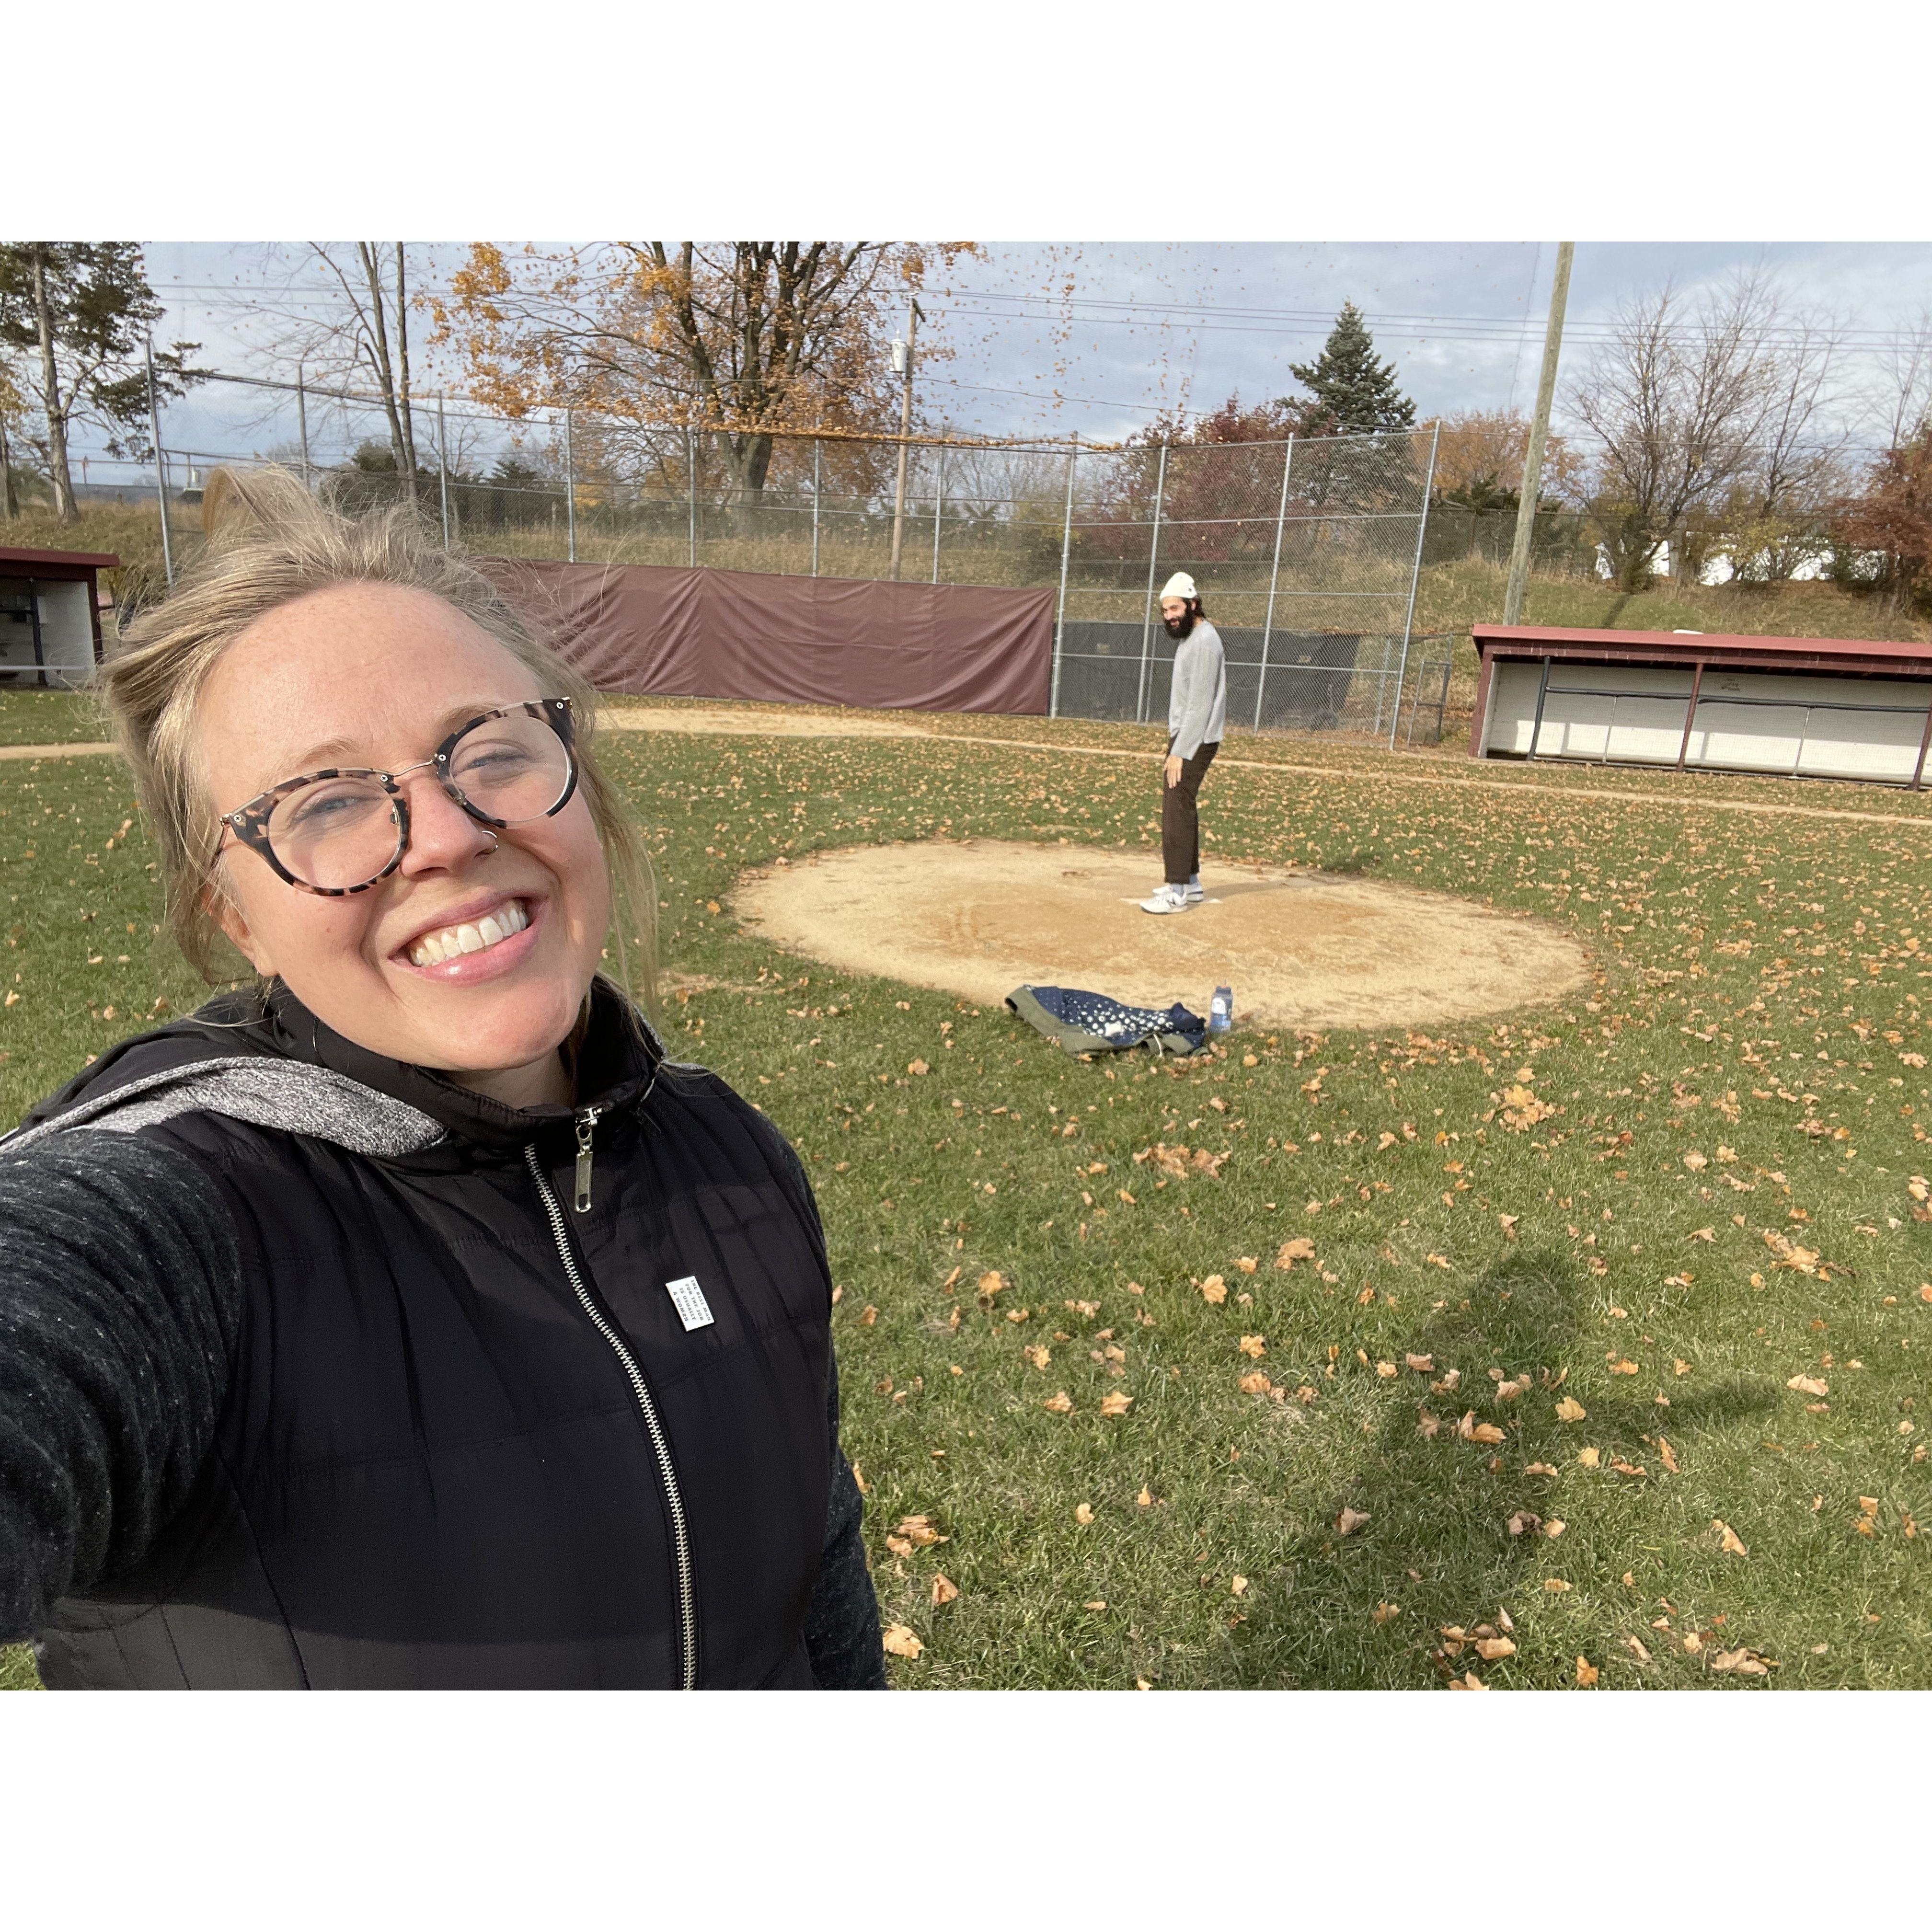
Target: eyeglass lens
{"type": "Point", "coordinates": [340, 833]}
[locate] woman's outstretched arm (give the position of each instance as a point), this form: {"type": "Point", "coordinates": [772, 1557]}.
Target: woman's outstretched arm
{"type": "Point", "coordinates": [120, 1280]}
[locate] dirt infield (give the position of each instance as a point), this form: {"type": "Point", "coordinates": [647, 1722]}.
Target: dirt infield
{"type": "Point", "coordinates": [746, 724]}
{"type": "Point", "coordinates": [1299, 949]}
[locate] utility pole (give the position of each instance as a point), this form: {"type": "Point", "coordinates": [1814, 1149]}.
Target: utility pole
{"type": "Point", "coordinates": [160, 470]}
{"type": "Point", "coordinates": [1539, 432]}
{"type": "Point", "coordinates": [902, 360]}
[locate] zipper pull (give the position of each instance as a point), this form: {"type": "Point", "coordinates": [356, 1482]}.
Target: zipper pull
{"type": "Point", "coordinates": [586, 1122]}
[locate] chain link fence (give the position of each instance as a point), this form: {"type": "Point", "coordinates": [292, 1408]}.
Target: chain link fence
{"type": "Point", "coordinates": [1306, 551]}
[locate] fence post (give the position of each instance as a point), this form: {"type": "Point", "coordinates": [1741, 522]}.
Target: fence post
{"type": "Point", "coordinates": [1414, 578]}
{"type": "Point", "coordinates": [1060, 609]}
{"type": "Point", "coordinates": [301, 421]}
{"type": "Point", "coordinates": [443, 467]}
{"type": "Point", "coordinates": [570, 491]}
{"type": "Point", "coordinates": [691, 488]}
{"type": "Point", "coordinates": [938, 512]}
{"type": "Point", "coordinates": [160, 468]}
{"type": "Point", "coordinates": [817, 488]}
{"type": "Point", "coordinates": [1274, 578]}
{"type": "Point", "coordinates": [1154, 563]}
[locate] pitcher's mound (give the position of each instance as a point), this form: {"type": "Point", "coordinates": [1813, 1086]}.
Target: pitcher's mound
{"type": "Point", "coordinates": [1299, 949]}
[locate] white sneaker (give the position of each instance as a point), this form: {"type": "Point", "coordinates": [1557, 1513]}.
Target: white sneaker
{"type": "Point", "coordinates": [1195, 894]}
{"type": "Point", "coordinates": [1169, 898]}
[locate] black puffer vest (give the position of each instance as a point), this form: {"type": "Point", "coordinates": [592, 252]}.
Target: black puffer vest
{"type": "Point", "coordinates": [469, 1439]}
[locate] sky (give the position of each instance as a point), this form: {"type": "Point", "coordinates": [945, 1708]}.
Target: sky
{"type": "Point", "coordinates": [1051, 339]}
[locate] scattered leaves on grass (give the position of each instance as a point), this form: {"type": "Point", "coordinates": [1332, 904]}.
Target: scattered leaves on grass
{"type": "Point", "coordinates": [901, 1642]}
{"type": "Point", "coordinates": [1471, 1430]}
{"type": "Point", "coordinates": [1301, 1249]}
{"type": "Point", "coordinates": [1744, 1662]}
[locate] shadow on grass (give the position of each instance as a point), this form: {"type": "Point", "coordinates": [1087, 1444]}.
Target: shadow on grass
{"type": "Point", "coordinates": [1436, 1544]}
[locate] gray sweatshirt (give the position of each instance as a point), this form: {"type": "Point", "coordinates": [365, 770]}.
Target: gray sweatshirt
{"type": "Point", "coordinates": [1197, 705]}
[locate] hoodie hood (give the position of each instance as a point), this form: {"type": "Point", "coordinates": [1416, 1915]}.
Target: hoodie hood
{"type": "Point", "coordinates": [270, 1061]}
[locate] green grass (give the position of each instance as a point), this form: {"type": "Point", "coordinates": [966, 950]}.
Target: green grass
{"type": "Point", "coordinates": [1692, 1085]}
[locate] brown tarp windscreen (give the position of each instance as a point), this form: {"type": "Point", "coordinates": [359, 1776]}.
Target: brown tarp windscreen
{"type": "Point", "coordinates": [792, 639]}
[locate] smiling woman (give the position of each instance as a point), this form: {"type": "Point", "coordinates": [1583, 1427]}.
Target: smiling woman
{"type": "Point", "coordinates": [308, 1376]}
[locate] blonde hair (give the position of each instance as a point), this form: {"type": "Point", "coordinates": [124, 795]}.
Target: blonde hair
{"type": "Point", "coordinates": [269, 542]}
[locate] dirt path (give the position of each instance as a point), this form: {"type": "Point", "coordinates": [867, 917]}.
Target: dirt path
{"type": "Point", "coordinates": [754, 724]}
{"type": "Point", "coordinates": [51, 750]}
{"type": "Point", "coordinates": [1299, 949]}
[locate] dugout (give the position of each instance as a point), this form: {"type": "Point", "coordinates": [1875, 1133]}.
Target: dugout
{"type": "Point", "coordinates": [50, 616]}
{"type": "Point", "coordinates": [1796, 707]}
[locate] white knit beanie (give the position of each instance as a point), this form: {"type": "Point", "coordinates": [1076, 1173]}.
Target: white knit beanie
{"type": "Point", "coordinates": [1179, 585]}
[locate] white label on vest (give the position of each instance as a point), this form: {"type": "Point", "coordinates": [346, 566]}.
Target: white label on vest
{"type": "Point", "coordinates": [693, 1310]}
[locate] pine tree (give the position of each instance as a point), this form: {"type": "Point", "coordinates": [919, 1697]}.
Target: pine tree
{"type": "Point", "coordinates": [1357, 392]}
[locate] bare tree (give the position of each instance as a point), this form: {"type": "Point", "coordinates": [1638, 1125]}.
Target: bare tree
{"type": "Point", "coordinates": [360, 338]}
{"type": "Point", "coordinates": [1678, 400]}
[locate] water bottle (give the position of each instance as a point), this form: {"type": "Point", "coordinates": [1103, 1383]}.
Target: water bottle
{"type": "Point", "coordinates": [1221, 1012]}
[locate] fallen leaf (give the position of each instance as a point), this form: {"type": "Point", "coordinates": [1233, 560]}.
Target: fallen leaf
{"type": "Point", "coordinates": [1553, 1530]}
{"type": "Point", "coordinates": [992, 1282]}
{"type": "Point", "coordinates": [1238, 1586]}
{"type": "Point", "coordinates": [1587, 1674]}
{"type": "Point", "coordinates": [1115, 1404]}
{"type": "Point", "coordinates": [1489, 1648]}
{"type": "Point", "coordinates": [1447, 1386]}
{"type": "Point", "coordinates": [898, 1545]}
{"type": "Point", "coordinates": [1423, 1365]}
{"type": "Point", "coordinates": [1214, 1289]}
{"type": "Point", "coordinates": [1350, 1520]}
{"type": "Point", "coordinates": [920, 1530]}
{"type": "Point", "coordinates": [1695, 1161]}
{"type": "Point", "coordinates": [900, 1641]}
{"type": "Point", "coordinates": [918, 1066]}
{"type": "Point", "coordinates": [1525, 1522]}
{"type": "Point", "coordinates": [1624, 1368]}
{"type": "Point", "coordinates": [1427, 1425]}
{"type": "Point", "coordinates": [1744, 1663]}
{"type": "Point", "coordinates": [1469, 1681]}
{"type": "Point", "coordinates": [1569, 1409]}
{"type": "Point", "coordinates": [1666, 1455]}
{"type": "Point", "coordinates": [1256, 1384]}
{"type": "Point", "coordinates": [1145, 1499]}
{"type": "Point", "coordinates": [944, 1590]}
{"type": "Point", "coordinates": [1083, 1512]}
{"type": "Point", "coordinates": [1733, 1544]}
{"type": "Point", "coordinates": [1254, 1345]}
{"type": "Point", "coordinates": [1383, 1613]}
{"type": "Point", "coordinates": [1061, 1402]}
{"type": "Point", "coordinates": [1387, 1371]}
{"type": "Point", "coordinates": [1555, 1585]}
{"type": "Point", "coordinates": [1247, 1263]}
{"type": "Point", "coordinates": [1635, 1646]}
{"type": "Point", "coordinates": [1040, 1356]}
{"type": "Point", "coordinates": [1471, 1430]}
{"type": "Point", "coordinates": [1809, 1385]}
{"type": "Point", "coordinates": [1588, 1458]}
{"type": "Point", "coordinates": [1539, 1469]}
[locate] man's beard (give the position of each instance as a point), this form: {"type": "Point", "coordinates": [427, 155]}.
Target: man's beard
{"type": "Point", "coordinates": [1179, 627]}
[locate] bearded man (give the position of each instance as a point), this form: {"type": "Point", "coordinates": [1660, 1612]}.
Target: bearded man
{"type": "Point", "coordinates": [1197, 712]}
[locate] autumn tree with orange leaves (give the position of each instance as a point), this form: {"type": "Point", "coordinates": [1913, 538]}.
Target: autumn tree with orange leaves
{"type": "Point", "coordinates": [738, 340]}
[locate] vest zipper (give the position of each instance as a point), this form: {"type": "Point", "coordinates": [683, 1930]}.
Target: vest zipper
{"type": "Point", "coordinates": [687, 1611]}
{"type": "Point", "coordinates": [586, 1125]}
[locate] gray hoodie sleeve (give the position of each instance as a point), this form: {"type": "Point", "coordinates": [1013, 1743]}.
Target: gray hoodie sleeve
{"type": "Point", "coordinates": [120, 1281]}
{"type": "Point", "coordinates": [1197, 678]}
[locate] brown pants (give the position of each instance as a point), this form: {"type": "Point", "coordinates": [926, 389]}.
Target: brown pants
{"type": "Point", "coordinates": [1180, 819]}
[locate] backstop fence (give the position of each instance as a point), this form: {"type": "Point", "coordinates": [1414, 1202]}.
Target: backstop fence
{"type": "Point", "coordinates": [1307, 551]}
